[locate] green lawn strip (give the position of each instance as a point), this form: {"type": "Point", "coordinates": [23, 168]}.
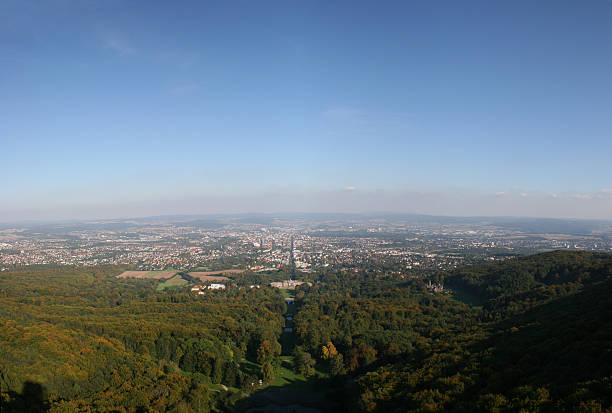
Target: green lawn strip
{"type": "Point", "coordinates": [173, 282]}
{"type": "Point", "coordinates": [219, 387]}
{"type": "Point", "coordinates": [287, 293]}
{"type": "Point", "coordinates": [285, 375]}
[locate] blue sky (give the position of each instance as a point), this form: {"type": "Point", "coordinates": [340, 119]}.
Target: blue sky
{"type": "Point", "coordinates": [117, 108]}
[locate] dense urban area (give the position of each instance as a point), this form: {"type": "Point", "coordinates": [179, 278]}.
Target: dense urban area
{"type": "Point", "coordinates": [262, 242]}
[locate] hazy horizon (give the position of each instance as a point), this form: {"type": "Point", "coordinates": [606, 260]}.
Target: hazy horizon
{"type": "Point", "coordinates": [339, 202]}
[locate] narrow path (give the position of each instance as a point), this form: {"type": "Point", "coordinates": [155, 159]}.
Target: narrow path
{"type": "Point", "coordinates": [288, 337]}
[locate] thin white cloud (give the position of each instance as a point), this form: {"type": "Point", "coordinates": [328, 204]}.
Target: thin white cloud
{"type": "Point", "coordinates": [118, 44]}
{"type": "Point", "coordinates": [524, 195]}
{"type": "Point", "coordinates": [581, 196]}
{"type": "Point", "coordinates": [500, 193]}
{"type": "Point", "coordinates": [350, 188]}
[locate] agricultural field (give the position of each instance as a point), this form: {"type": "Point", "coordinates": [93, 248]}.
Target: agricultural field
{"type": "Point", "coordinates": [213, 275]}
{"type": "Point", "coordinates": [154, 275]}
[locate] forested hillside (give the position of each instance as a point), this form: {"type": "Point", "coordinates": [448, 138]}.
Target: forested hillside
{"type": "Point", "coordinates": [514, 286]}
{"type": "Point", "coordinates": [540, 340]}
{"type": "Point", "coordinates": [81, 339]}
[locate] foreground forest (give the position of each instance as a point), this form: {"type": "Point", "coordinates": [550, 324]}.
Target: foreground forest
{"type": "Point", "coordinates": [80, 339]}
{"type": "Point", "coordinates": [529, 334]}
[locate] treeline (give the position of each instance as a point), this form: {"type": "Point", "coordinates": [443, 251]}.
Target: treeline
{"type": "Point", "coordinates": [513, 286]}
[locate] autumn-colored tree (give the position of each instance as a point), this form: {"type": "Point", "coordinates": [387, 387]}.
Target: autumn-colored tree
{"type": "Point", "coordinates": [267, 351]}
{"type": "Point", "coordinates": [328, 351]}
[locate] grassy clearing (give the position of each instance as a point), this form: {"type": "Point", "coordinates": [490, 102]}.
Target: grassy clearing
{"type": "Point", "coordinates": [219, 387]}
{"type": "Point", "coordinates": [286, 376]}
{"type": "Point", "coordinates": [289, 390]}
{"type": "Point", "coordinates": [287, 293]}
{"type": "Point", "coordinates": [174, 282]}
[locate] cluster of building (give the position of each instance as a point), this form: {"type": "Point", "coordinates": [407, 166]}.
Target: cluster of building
{"type": "Point", "coordinates": [201, 289]}
{"type": "Point", "coordinates": [434, 287]}
{"type": "Point", "coordinates": [289, 284]}
{"type": "Point", "coordinates": [265, 247]}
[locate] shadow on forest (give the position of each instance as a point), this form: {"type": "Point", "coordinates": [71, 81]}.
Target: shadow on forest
{"type": "Point", "coordinates": [299, 396]}
{"type": "Point", "coordinates": [30, 400]}
{"type": "Point", "coordinates": [555, 344]}
{"type": "Point", "coordinates": [250, 368]}
{"type": "Point", "coordinates": [288, 342]}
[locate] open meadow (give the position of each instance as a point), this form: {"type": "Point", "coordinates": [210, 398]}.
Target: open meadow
{"type": "Point", "coordinates": [155, 275]}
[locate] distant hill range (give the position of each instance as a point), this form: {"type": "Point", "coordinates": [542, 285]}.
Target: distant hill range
{"type": "Point", "coordinates": [215, 221]}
